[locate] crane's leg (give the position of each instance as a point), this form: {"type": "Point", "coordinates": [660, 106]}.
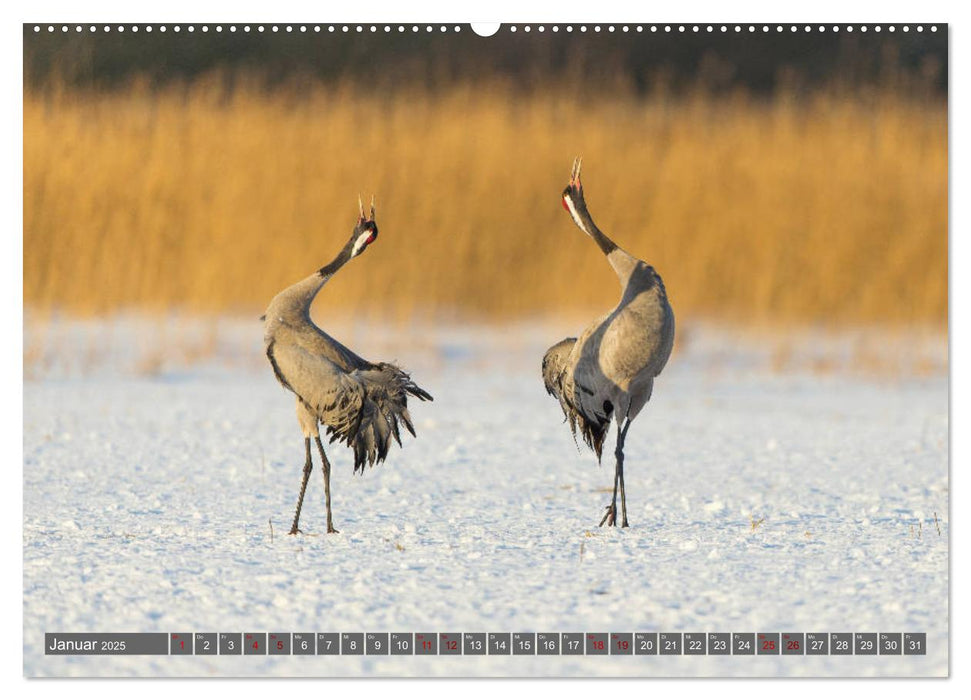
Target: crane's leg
{"type": "Point", "coordinates": [621, 438]}
{"type": "Point", "coordinates": [610, 517]}
{"type": "Point", "coordinates": [307, 468]}
{"type": "Point", "coordinates": [326, 468]}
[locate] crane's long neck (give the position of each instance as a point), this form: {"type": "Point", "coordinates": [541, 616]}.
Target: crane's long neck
{"type": "Point", "coordinates": [623, 262]}
{"type": "Point", "coordinates": [297, 298]}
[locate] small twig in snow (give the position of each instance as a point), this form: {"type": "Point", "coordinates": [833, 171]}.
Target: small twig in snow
{"type": "Point", "coordinates": [270, 520]}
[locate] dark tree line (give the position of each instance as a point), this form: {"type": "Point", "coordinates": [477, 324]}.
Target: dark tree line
{"type": "Point", "coordinates": [641, 62]}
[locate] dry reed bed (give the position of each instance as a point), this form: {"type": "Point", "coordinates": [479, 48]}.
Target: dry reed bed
{"type": "Point", "coordinates": [822, 208]}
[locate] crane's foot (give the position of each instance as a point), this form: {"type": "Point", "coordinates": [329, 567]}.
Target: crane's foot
{"type": "Point", "coordinates": [295, 531]}
{"type": "Point", "coordinates": [331, 530]}
{"type": "Point", "coordinates": [610, 517]}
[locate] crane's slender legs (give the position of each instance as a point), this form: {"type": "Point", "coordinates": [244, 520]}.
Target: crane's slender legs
{"type": "Point", "coordinates": [307, 468]}
{"type": "Point", "coordinates": [326, 468]}
{"type": "Point", "coordinates": [610, 517]}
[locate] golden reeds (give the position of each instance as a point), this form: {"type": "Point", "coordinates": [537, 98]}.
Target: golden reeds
{"type": "Point", "coordinates": [821, 208]}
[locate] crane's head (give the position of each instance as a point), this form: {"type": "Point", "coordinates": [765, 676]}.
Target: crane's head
{"type": "Point", "coordinates": [365, 231]}
{"type": "Point", "coordinates": [572, 197]}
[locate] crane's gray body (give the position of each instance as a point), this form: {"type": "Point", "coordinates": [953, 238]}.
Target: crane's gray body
{"type": "Point", "coordinates": [361, 403]}
{"type": "Point", "coordinates": [610, 369]}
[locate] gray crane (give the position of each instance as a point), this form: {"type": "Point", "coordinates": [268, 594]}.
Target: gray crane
{"type": "Point", "coordinates": [359, 402]}
{"type": "Point", "coordinates": [609, 371]}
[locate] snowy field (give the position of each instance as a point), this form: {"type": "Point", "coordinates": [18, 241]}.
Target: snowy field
{"type": "Point", "coordinates": [769, 490]}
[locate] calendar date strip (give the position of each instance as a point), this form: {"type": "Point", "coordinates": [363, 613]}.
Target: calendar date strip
{"type": "Point", "coordinates": [487, 644]}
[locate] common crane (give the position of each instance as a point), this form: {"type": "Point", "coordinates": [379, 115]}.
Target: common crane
{"type": "Point", "coordinates": [609, 371]}
{"type": "Point", "coordinates": [359, 402]}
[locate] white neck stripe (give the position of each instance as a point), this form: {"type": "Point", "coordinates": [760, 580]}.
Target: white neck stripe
{"type": "Point", "coordinates": [360, 242]}
{"type": "Point", "coordinates": [573, 213]}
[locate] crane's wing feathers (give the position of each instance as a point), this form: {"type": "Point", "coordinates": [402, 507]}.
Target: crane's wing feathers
{"type": "Point", "coordinates": [561, 382]}
{"type": "Point", "coordinates": [361, 408]}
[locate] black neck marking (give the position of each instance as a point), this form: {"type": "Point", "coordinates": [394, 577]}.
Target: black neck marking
{"type": "Point", "coordinates": [338, 262]}
{"type": "Point", "coordinates": [606, 245]}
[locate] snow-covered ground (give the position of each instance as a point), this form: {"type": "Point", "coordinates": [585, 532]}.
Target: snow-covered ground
{"type": "Point", "coordinates": [769, 490]}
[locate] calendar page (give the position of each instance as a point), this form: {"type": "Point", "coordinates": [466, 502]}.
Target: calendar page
{"type": "Point", "coordinates": [342, 340]}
